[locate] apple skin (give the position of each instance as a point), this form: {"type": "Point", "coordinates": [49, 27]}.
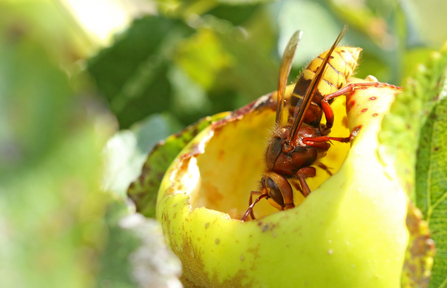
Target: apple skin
{"type": "Point", "coordinates": [349, 232]}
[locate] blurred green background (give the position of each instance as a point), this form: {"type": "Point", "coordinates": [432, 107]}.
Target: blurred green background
{"type": "Point", "coordinates": [88, 87]}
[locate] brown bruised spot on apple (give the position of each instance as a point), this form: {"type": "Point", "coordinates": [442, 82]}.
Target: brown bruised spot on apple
{"type": "Point", "coordinates": [362, 109]}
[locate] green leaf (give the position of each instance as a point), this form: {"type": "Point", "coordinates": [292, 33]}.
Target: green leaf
{"type": "Point", "coordinates": [51, 207]}
{"type": "Point", "coordinates": [253, 74]}
{"type": "Point", "coordinates": [403, 126]}
{"type": "Point", "coordinates": [302, 15]}
{"type": "Point", "coordinates": [132, 73]}
{"type": "Point", "coordinates": [242, 2]}
{"type": "Point", "coordinates": [34, 100]}
{"type": "Point", "coordinates": [431, 179]}
{"type": "Point", "coordinates": [126, 152]}
{"type": "Point", "coordinates": [116, 269]}
{"type": "Point", "coordinates": [202, 56]}
{"type": "Point", "coordinates": [420, 251]}
{"type": "Point", "coordinates": [413, 135]}
{"type": "Point", "coordinates": [144, 190]}
{"type": "Point", "coordinates": [432, 21]}
{"type": "Point", "coordinates": [236, 14]}
{"type": "Point", "coordinates": [51, 138]}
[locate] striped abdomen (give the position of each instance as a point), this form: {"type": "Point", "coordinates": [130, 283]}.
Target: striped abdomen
{"type": "Point", "coordinates": [341, 66]}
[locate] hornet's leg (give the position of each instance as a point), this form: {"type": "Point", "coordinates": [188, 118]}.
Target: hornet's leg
{"type": "Point", "coordinates": [325, 168]}
{"type": "Point", "coordinates": [343, 91]}
{"type": "Point", "coordinates": [252, 205]}
{"type": "Point", "coordinates": [302, 174]}
{"type": "Point", "coordinates": [321, 142]}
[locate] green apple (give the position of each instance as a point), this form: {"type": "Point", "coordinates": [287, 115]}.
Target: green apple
{"type": "Point", "coordinates": [349, 232]}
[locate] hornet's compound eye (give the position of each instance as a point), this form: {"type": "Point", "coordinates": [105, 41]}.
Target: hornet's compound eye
{"type": "Point", "coordinates": [275, 192]}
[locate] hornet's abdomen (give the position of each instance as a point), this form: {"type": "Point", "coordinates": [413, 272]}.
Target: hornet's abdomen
{"type": "Point", "coordinates": [341, 66]}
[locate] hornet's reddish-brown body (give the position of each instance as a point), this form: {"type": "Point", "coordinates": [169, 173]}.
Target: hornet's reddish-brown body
{"type": "Point", "coordinates": [299, 139]}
